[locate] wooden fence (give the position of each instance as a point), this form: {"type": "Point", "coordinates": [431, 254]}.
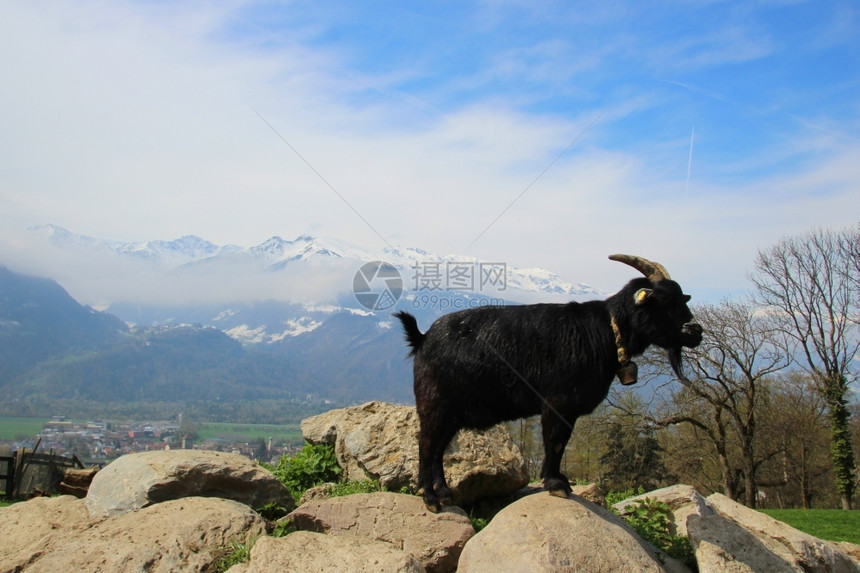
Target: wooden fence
{"type": "Point", "coordinates": [29, 473]}
{"type": "Point", "coordinates": [7, 475]}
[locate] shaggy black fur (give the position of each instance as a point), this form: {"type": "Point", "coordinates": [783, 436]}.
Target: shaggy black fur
{"type": "Point", "coordinates": [478, 367]}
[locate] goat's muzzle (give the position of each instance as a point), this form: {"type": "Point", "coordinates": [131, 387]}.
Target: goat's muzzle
{"type": "Point", "coordinates": [691, 334]}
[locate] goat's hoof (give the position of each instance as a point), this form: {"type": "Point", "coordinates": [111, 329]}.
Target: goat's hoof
{"type": "Point", "coordinates": [557, 487]}
{"type": "Point", "coordinates": [433, 507]}
{"type": "Point", "coordinates": [445, 495]}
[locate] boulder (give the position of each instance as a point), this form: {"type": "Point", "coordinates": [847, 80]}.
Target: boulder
{"type": "Point", "coordinates": [546, 533]}
{"type": "Point", "coordinates": [308, 551]}
{"type": "Point", "coordinates": [139, 480]}
{"type": "Point", "coordinates": [316, 493]}
{"type": "Point", "coordinates": [683, 501]}
{"type": "Point", "coordinates": [481, 464]}
{"type": "Point", "coordinates": [590, 492]}
{"type": "Point", "coordinates": [722, 545]}
{"type": "Point", "coordinates": [434, 539]}
{"type": "Point", "coordinates": [748, 540]}
{"type": "Point", "coordinates": [77, 482]}
{"type": "Point", "coordinates": [28, 528]}
{"type": "Point", "coordinates": [380, 441]}
{"type": "Point", "coordinates": [851, 550]}
{"type": "Point", "coordinates": [181, 535]}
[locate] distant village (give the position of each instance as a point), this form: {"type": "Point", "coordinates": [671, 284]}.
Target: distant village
{"type": "Point", "coordinates": [98, 442]}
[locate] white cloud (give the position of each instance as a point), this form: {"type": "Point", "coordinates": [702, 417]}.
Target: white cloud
{"type": "Point", "coordinates": [136, 121]}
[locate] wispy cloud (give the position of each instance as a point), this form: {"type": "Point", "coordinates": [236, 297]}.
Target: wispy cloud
{"type": "Point", "coordinates": [138, 120]}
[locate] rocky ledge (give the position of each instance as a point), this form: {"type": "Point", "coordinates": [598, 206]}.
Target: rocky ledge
{"type": "Point", "coordinates": [182, 510]}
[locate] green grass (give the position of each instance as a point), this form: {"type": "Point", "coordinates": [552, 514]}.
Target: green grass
{"type": "Point", "coordinates": [15, 428]}
{"type": "Point", "coordinates": [290, 433]}
{"type": "Point", "coordinates": [829, 524]}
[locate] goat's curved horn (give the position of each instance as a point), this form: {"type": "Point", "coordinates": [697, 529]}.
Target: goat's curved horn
{"type": "Point", "coordinates": [654, 271]}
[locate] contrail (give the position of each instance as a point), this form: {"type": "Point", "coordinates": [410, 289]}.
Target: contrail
{"type": "Point", "coordinates": [689, 165]}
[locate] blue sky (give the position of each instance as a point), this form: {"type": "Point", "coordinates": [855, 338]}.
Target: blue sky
{"type": "Point", "coordinates": [695, 132]}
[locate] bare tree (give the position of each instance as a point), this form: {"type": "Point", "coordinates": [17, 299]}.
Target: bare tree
{"type": "Point", "coordinates": [737, 355]}
{"type": "Point", "coordinates": [811, 282]}
{"type": "Point", "coordinates": [797, 420]}
{"type": "Point", "coordinates": [526, 435]}
{"type": "Point", "coordinates": [852, 255]}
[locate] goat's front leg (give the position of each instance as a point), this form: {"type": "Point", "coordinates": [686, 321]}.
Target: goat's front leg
{"type": "Point", "coordinates": [556, 433]}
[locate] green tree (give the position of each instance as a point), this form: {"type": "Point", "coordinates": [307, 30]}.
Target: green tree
{"type": "Point", "coordinates": [632, 457]}
{"type": "Point", "coordinates": [811, 283]}
{"type": "Point", "coordinates": [260, 449]}
{"type": "Point", "coordinates": [187, 428]}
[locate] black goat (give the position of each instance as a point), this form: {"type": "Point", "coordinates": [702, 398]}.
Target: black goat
{"type": "Point", "coordinates": [481, 366]}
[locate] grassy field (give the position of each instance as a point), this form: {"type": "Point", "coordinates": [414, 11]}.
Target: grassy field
{"type": "Point", "coordinates": [288, 433]}
{"type": "Point", "coordinates": [829, 524]}
{"type": "Point", "coordinates": [14, 428]}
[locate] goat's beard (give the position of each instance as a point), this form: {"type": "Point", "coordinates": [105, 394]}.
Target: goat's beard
{"type": "Point", "coordinates": [674, 354]}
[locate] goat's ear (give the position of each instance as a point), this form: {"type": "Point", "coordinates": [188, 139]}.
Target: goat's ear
{"type": "Point", "coordinates": [642, 295]}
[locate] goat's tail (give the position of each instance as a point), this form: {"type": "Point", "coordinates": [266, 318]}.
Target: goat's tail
{"type": "Point", "coordinates": [410, 326]}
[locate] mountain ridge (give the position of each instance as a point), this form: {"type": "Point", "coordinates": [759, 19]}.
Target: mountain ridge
{"type": "Point", "coordinates": [276, 253]}
{"type": "Point", "coordinates": [56, 353]}
{"type": "Point", "coordinates": [303, 336]}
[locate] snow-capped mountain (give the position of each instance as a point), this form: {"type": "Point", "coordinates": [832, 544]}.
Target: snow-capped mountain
{"type": "Point", "coordinates": [178, 251]}
{"type": "Point", "coordinates": [277, 254]}
{"type": "Point", "coordinates": [283, 289]}
{"type": "Point", "coordinates": [312, 314]}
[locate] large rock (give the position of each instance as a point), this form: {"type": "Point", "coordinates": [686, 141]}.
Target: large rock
{"type": "Point", "coordinates": [683, 501]}
{"type": "Point", "coordinates": [139, 480]}
{"type": "Point", "coordinates": [722, 545]}
{"type": "Point", "coordinates": [851, 550]}
{"type": "Point", "coordinates": [307, 551]}
{"type": "Point", "coordinates": [590, 492]}
{"type": "Point", "coordinates": [742, 539]}
{"type": "Point", "coordinates": [28, 528]}
{"type": "Point", "coordinates": [545, 533]}
{"type": "Point", "coordinates": [182, 535]}
{"type": "Point", "coordinates": [380, 441]}
{"type": "Point", "coordinates": [436, 540]}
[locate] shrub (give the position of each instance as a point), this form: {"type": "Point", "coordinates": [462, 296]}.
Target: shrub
{"type": "Point", "coordinates": [478, 522]}
{"type": "Point", "coordinates": [311, 466]}
{"type": "Point", "coordinates": [650, 519]}
{"type": "Point", "coordinates": [272, 511]}
{"type": "Point", "coordinates": [351, 487]}
{"type": "Point", "coordinates": [614, 497]}
{"type": "Point", "coordinates": [234, 553]}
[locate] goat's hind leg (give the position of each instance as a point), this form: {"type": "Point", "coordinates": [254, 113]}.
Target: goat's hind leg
{"type": "Point", "coordinates": [425, 472]}
{"type": "Point", "coordinates": [440, 485]}
{"type": "Point", "coordinates": [431, 472]}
